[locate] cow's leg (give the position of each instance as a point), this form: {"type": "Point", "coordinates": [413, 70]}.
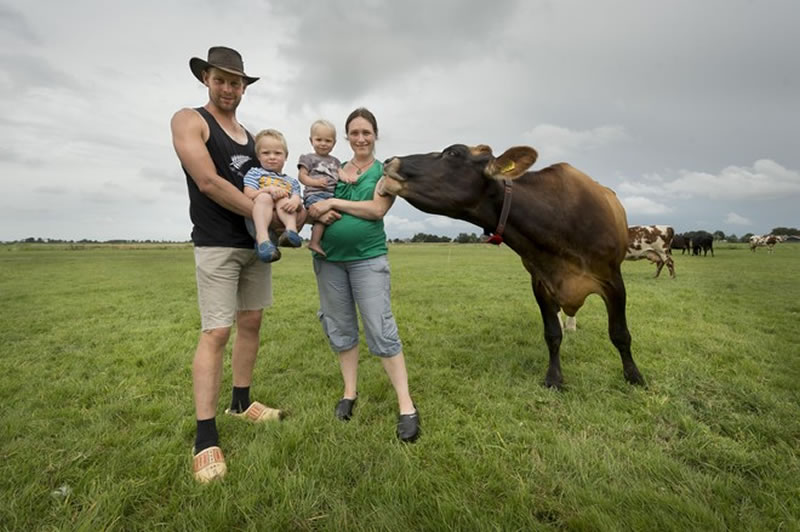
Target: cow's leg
{"type": "Point", "coordinates": [671, 266]}
{"type": "Point", "coordinates": [552, 333]}
{"type": "Point", "coordinates": [659, 266]}
{"type": "Point", "coordinates": [655, 258]}
{"type": "Point", "coordinates": [618, 328]}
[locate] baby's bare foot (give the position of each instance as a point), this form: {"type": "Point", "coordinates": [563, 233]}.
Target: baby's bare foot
{"type": "Point", "coordinates": [316, 248]}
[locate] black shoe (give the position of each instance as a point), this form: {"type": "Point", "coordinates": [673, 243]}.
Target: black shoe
{"type": "Point", "coordinates": [344, 409]}
{"type": "Point", "coordinates": [408, 427]}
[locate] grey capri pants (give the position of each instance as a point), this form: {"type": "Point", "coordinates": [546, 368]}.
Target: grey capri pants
{"type": "Point", "coordinates": [365, 284]}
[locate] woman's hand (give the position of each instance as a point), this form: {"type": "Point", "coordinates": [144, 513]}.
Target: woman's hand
{"type": "Point", "coordinates": [319, 208]}
{"type": "Point", "coordinates": [329, 217]}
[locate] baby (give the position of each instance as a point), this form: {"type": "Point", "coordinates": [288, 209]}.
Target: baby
{"type": "Point", "coordinates": [319, 172]}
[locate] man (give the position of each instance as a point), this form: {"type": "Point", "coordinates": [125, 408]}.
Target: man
{"type": "Point", "coordinates": [215, 151]}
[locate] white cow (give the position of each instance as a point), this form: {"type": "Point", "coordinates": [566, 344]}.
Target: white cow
{"type": "Point", "coordinates": [765, 240]}
{"type": "Point", "coordinates": [654, 243]}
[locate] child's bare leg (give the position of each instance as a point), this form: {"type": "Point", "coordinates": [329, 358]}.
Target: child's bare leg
{"type": "Point", "coordinates": [289, 238]}
{"type": "Point", "coordinates": [316, 236]}
{"type": "Point", "coordinates": [288, 219]}
{"type": "Point", "coordinates": [262, 216]}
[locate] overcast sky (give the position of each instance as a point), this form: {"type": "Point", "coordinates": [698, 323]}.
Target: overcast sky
{"type": "Point", "coordinates": [688, 109]}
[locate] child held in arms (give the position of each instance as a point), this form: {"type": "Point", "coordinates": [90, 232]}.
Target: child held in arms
{"type": "Point", "coordinates": [273, 192]}
{"type": "Point", "coordinates": [319, 172]}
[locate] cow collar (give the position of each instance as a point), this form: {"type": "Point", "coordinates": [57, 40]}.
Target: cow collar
{"type": "Point", "coordinates": [497, 237]}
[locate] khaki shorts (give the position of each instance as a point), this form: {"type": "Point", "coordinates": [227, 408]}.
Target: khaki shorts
{"type": "Point", "coordinates": [230, 280]}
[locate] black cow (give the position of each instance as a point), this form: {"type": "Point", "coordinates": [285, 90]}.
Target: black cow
{"type": "Point", "coordinates": [680, 242]}
{"type": "Point", "coordinates": [704, 243]}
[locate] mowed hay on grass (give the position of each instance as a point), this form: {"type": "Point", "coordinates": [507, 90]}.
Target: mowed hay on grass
{"type": "Point", "coordinates": [97, 423]}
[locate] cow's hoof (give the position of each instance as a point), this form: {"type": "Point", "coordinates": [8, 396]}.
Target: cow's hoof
{"type": "Point", "coordinates": [554, 381]}
{"type": "Point", "coordinates": [634, 377]}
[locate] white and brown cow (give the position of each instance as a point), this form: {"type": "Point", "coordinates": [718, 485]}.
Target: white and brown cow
{"type": "Point", "coordinates": [765, 240]}
{"type": "Point", "coordinates": [652, 242]}
{"type": "Point", "coordinates": [569, 230]}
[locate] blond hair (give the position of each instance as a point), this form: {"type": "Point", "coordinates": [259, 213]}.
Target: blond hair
{"type": "Point", "coordinates": [323, 123]}
{"type": "Point", "coordinates": [275, 134]}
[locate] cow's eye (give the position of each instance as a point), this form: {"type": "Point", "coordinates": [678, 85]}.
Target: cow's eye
{"type": "Point", "coordinates": [451, 153]}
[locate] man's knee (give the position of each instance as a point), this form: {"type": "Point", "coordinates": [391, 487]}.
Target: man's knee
{"type": "Point", "coordinates": [249, 320]}
{"type": "Point", "coordinates": [216, 337]}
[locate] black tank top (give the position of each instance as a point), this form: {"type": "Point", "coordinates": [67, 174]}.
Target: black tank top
{"type": "Point", "coordinates": [213, 224]}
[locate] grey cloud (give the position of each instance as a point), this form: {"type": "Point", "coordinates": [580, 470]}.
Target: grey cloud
{"type": "Point", "coordinates": [12, 156]}
{"type": "Point", "coordinates": [15, 24]}
{"type": "Point", "coordinates": [765, 180]}
{"type": "Point", "coordinates": [347, 52]}
{"type": "Point", "coordinates": [170, 181]}
{"type": "Point", "coordinates": [26, 71]}
{"type": "Point", "coordinates": [51, 190]}
{"type": "Point", "coordinates": [157, 174]}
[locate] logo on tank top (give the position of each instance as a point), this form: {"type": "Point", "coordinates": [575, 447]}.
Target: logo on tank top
{"type": "Point", "coordinates": [237, 161]}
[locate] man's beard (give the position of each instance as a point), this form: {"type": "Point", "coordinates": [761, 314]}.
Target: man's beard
{"type": "Point", "coordinates": [227, 104]}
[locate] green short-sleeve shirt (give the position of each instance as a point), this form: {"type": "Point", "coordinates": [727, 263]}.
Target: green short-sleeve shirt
{"type": "Point", "coordinates": [353, 238]}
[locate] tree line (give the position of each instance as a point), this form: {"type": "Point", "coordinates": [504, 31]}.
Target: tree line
{"type": "Point", "coordinates": [745, 238]}
{"type": "Point", "coordinates": [462, 238]}
{"type": "Point", "coordinates": [39, 240]}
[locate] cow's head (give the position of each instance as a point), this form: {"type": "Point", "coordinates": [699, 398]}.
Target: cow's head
{"type": "Point", "coordinates": [450, 181]}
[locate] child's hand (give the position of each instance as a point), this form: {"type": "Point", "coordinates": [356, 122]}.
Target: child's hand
{"type": "Point", "coordinates": [292, 205]}
{"type": "Point", "coordinates": [277, 192]}
{"type": "Point", "coordinates": [347, 179]}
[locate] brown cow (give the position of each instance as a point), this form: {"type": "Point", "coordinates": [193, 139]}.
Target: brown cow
{"type": "Point", "coordinates": [570, 231]}
{"type": "Point", "coordinates": [654, 243]}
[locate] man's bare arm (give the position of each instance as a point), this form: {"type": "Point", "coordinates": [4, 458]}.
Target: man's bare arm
{"type": "Point", "coordinates": [187, 138]}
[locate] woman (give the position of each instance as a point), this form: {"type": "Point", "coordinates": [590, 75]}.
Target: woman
{"type": "Point", "coordinates": [355, 272]}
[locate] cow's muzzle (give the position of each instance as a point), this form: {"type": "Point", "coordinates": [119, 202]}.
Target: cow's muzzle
{"type": "Point", "coordinates": [392, 183]}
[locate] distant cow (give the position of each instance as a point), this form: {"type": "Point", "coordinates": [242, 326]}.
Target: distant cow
{"type": "Point", "coordinates": [704, 243]}
{"type": "Point", "coordinates": [765, 240]}
{"type": "Point", "coordinates": [682, 243]}
{"type": "Point", "coordinates": [654, 243]}
{"type": "Point", "coordinates": [570, 231]}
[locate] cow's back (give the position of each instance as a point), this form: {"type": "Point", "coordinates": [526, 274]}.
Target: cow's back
{"type": "Point", "coordinates": [570, 231]}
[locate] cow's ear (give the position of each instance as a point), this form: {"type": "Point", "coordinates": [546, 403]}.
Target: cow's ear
{"type": "Point", "coordinates": [512, 164]}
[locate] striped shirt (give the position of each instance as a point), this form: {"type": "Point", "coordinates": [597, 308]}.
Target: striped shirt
{"type": "Point", "coordinates": [258, 178]}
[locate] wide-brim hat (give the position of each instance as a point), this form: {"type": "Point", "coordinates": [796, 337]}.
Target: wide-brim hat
{"type": "Point", "coordinates": [223, 58]}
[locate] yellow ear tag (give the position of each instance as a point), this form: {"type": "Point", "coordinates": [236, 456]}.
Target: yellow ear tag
{"type": "Point", "coordinates": [508, 167]}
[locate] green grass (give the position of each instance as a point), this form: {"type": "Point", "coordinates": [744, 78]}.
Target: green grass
{"type": "Point", "coordinates": [97, 344]}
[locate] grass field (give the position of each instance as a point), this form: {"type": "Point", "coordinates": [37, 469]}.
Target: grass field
{"type": "Point", "coordinates": [97, 419]}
